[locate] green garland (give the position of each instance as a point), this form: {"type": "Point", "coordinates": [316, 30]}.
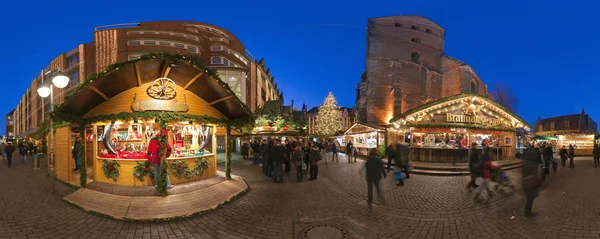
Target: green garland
{"type": "Point", "coordinates": [202, 164]}
{"type": "Point", "coordinates": [181, 169]}
{"type": "Point", "coordinates": [141, 170]}
{"type": "Point", "coordinates": [163, 175]}
{"type": "Point", "coordinates": [111, 169]}
{"type": "Point", "coordinates": [81, 150]}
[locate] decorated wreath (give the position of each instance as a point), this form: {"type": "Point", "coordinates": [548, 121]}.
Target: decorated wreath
{"type": "Point", "coordinates": [141, 170]}
{"type": "Point", "coordinates": [202, 164]}
{"type": "Point", "coordinates": [181, 169]}
{"type": "Point", "coordinates": [111, 169]}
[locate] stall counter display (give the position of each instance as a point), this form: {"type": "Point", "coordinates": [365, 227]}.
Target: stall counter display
{"type": "Point", "coordinates": [128, 146]}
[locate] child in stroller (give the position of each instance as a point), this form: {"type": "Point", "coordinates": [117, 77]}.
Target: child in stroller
{"type": "Point", "coordinates": [502, 181]}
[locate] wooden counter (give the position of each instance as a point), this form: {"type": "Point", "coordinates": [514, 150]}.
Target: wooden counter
{"type": "Point", "coordinates": [126, 171]}
{"type": "Point", "coordinates": [458, 155]}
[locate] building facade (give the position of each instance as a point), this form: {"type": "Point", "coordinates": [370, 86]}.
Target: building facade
{"type": "Point", "coordinates": [348, 116]}
{"type": "Point", "coordinates": [249, 78]}
{"type": "Point", "coordinates": [579, 130]}
{"type": "Point", "coordinates": [406, 67]}
{"type": "Point", "coordinates": [10, 131]}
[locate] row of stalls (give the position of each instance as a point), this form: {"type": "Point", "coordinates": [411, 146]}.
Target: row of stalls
{"type": "Point", "coordinates": [130, 103]}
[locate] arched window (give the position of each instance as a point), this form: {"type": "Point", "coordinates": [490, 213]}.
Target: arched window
{"type": "Point", "coordinates": [473, 87]}
{"type": "Point", "coordinates": [415, 57]}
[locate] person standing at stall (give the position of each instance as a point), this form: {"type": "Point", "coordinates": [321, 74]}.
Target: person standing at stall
{"type": "Point", "coordinates": [277, 156]}
{"type": "Point", "coordinates": [306, 150]}
{"type": "Point", "coordinates": [564, 154]}
{"type": "Point", "coordinates": [245, 149]}
{"type": "Point", "coordinates": [9, 150]}
{"type": "Point", "coordinates": [298, 159]}
{"type": "Point", "coordinates": [474, 166]}
{"type": "Point", "coordinates": [390, 152]}
{"type": "Point", "coordinates": [547, 156]}
{"type": "Point", "coordinates": [571, 156]}
{"type": "Point", "coordinates": [75, 153]}
{"type": "Point", "coordinates": [154, 159]}
{"type": "Point", "coordinates": [255, 151]}
{"type": "Point", "coordinates": [596, 155]}
{"type": "Point", "coordinates": [350, 151]}
{"type": "Point", "coordinates": [23, 152]}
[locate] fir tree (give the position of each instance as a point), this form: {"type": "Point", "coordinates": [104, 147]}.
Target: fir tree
{"type": "Point", "coordinates": [329, 119]}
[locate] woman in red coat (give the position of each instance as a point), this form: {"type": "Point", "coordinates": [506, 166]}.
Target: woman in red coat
{"type": "Point", "coordinates": [154, 158]}
{"type": "Point", "coordinates": [488, 167]}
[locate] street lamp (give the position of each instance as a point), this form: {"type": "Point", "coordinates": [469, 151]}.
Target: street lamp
{"type": "Point", "coordinates": [60, 81]}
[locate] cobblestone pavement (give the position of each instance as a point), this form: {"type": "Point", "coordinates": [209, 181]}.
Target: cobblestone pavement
{"type": "Point", "coordinates": [426, 207]}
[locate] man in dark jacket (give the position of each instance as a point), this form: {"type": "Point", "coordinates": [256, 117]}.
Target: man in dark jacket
{"type": "Point", "coordinates": [531, 182]}
{"type": "Point", "coordinates": [10, 149]}
{"type": "Point", "coordinates": [401, 156]}
{"type": "Point", "coordinates": [255, 150]}
{"type": "Point", "coordinates": [288, 155]}
{"type": "Point", "coordinates": [375, 170]}
{"type": "Point", "coordinates": [474, 166]}
{"type": "Point", "coordinates": [547, 158]}
{"type": "Point", "coordinates": [390, 152]}
{"type": "Point", "coordinates": [277, 156]}
{"type": "Point", "coordinates": [596, 155]}
{"type": "Point", "coordinates": [571, 156]}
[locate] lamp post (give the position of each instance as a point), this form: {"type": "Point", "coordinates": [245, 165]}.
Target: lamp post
{"type": "Point", "coordinates": [46, 89]}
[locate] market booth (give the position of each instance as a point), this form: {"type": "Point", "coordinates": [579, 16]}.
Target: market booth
{"type": "Point", "coordinates": [124, 107]}
{"type": "Point", "coordinates": [442, 130]}
{"type": "Point", "coordinates": [365, 137]}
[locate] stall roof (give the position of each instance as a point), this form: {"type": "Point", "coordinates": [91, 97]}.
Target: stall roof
{"type": "Point", "coordinates": [363, 128]}
{"type": "Point", "coordinates": [542, 137]}
{"type": "Point", "coordinates": [178, 68]}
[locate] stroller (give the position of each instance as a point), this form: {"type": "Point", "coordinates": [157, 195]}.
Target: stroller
{"type": "Point", "coordinates": [502, 181]}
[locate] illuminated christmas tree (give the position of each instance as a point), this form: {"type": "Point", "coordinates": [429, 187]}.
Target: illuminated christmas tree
{"type": "Point", "coordinates": [329, 119]}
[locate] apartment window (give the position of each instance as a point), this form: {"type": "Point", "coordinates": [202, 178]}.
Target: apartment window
{"type": "Point", "coordinates": [551, 125]}
{"type": "Point", "coordinates": [216, 60]}
{"type": "Point", "coordinates": [133, 43]}
{"type": "Point", "coordinates": [216, 48]}
{"type": "Point", "coordinates": [225, 62]}
{"type": "Point", "coordinates": [179, 45]}
{"type": "Point", "coordinates": [567, 124]}
{"type": "Point", "coordinates": [427, 30]}
{"type": "Point", "coordinates": [416, 40]}
{"type": "Point", "coordinates": [72, 60]}
{"type": "Point", "coordinates": [399, 25]}
{"type": "Point", "coordinates": [164, 43]}
{"type": "Point", "coordinates": [219, 39]}
{"type": "Point", "coordinates": [415, 57]}
{"type": "Point", "coordinates": [415, 28]}
{"type": "Point", "coordinates": [192, 49]}
{"type": "Point", "coordinates": [149, 42]}
{"type": "Point", "coordinates": [134, 56]}
{"type": "Point", "coordinates": [508, 141]}
{"type": "Point", "coordinates": [73, 78]}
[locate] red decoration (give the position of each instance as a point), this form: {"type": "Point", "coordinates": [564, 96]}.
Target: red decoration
{"type": "Point", "coordinates": [285, 128]}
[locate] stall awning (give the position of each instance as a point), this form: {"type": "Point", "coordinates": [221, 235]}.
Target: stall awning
{"type": "Point", "coordinates": [363, 128]}
{"type": "Point", "coordinates": [542, 137]}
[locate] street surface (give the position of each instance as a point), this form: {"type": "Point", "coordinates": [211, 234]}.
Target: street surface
{"type": "Point", "coordinates": [426, 207]}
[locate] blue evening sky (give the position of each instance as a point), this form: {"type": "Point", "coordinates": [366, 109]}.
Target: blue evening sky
{"type": "Point", "coordinates": [546, 51]}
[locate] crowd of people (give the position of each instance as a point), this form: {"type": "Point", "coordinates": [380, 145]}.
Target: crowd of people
{"type": "Point", "coordinates": [24, 149]}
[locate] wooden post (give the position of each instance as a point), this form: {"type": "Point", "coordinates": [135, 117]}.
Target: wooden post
{"type": "Point", "coordinates": [95, 150]}
{"type": "Point", "coordinates": [228, 144]}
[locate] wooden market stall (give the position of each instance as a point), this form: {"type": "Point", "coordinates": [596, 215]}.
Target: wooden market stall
{"type": "Point", "coordinates": [365, 137]}
{"type": "Point", "coordinates": [443, 130]}
{"type": "Point", "coordinates": [124, 107]}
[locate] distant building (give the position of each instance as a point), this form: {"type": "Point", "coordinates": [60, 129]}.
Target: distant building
{"type": "Point", "coordinates": [579, 130]}
{"type": "Point", "coordinates": [406, 67]}
{"type": "Point", "coordinates": [10, 131]}
{"type": "Point", "coordinates": [348, 118]}
{"type": "Point", "coordinates": [249, 78]}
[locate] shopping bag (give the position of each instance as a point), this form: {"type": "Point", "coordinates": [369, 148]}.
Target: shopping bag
{"type": "Point", "coordinates": [304, 166]}
{"type": "Point", "coordinates": [399, 175]}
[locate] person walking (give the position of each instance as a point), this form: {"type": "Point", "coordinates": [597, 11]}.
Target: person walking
{"type": "Point", "coordinates": [596, 155]}
{"type": "Point", "coordinates": [255, 151]}
{"type": "Point", "coordinates": [334, 152]}
{"type": "Point", "coordinates": [547, 157]}
{"type": "Point", "coordinates": [75, 153]}
{"type": "Point", "coordinates": [277, 156]}
{"type": "Point", "coordinates": [350, 151]}
{"type": "Point", "coordinates": [564, 154]}
{"type": "Point", "coordinates": [531, 182]}
{"type": "Point", "coordinates": [375, 171]}
{"type": "Point", "coordinates": [401, 153]}
{"type": "Point", "coordinates": [315, 157]}
{"type": "Point", "coordinates": [306, 150]}
{"type": "Point", "coordinates": [9, 150]}
{"type": "Point", "coordinates": [390, 152]}
{"type": "Point", "coordinates": [23, 152]}
{"type": "Point", "coordinates": [571, 156]}
{"type": "Point", "coordinates": [486, 174]}
{"type": "Point", "coordinates": [245, 150]}
{"type": "Point", "coordinates": [298, 159]}
{"type": "Point", "coordinates": [474, 166]}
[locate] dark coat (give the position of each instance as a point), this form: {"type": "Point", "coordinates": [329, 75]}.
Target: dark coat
{"type": "Point", "coordinates": [474, 157]}
{"type": "Point", "coordinates": [298, 157]}
{"type": "Point", "coordinates": [315, 156]}
{"type": "Point", "coordinates": [9, 150]}
{"type": "Point", "coordinates": [571, 152]}
{"type": "Point", "coordinates": [255, 147]}
{"type": "Point", "coordinates": [390, 151]}
{"type": "Point", "coordinates": [596, 151]}
{"type": "Point", "coordinates": [401, 153]}
{"type": "Point", "coordinates": [245, 149]}
{"type": "Point", "coordinates": [533, 158]}
{"type": "Point", "coordinates": [277, 154]}
{"type": "Point", "coordinates": [375, 169]}
{"type": "Point", "coordinates": [547, 153]}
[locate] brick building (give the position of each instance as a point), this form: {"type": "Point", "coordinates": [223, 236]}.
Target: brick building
{"type": "Point", "coordinates": [250, 79]}
{"type": "Point", "coordinates": [10, 131]}
{"type": "Point", "coordinates": [348, 116]}
{"type": "Point", "coordinates": [407, 67]}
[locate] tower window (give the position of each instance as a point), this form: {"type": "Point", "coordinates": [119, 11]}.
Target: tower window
{"type": "Point", "coordinates": [415, 27]}
{"type": "Point", "coordinates": [473, 87]}
{"type": "Point", "coordinates": [398, 25]}
{"type": "Point", "coordinates": [415, 57]}
{"type": "Point", "coordinates": [416, 40]}
{"type": "Point", "coordinates": [427, 30]}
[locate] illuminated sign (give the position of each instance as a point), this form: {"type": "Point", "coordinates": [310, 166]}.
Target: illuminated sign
{"type": "Point", "coordinates": [159, 105]}
{"type": "Point", "coordinates": [471, 119]}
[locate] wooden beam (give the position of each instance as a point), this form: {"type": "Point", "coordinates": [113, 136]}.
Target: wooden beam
{"type": "Point", "coordinates": [99, 92]}
{"type": "Point", "coordinates": [138, 74]}
{"type": "Point", "coordinates": [222, 99]}
{"type": "Point", "coordinates": [166, 69]}
{"type": "Point", "coordinates": [192, 80]}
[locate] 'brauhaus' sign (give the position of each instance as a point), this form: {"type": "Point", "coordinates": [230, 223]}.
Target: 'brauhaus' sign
{"type": "Point", "coordinates": [159, 105]}
{"type": "Point", "coordinates": [471, 119]}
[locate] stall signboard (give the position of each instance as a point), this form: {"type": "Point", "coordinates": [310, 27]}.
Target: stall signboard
{"type": "Point", "coordinates": [159, 105]}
